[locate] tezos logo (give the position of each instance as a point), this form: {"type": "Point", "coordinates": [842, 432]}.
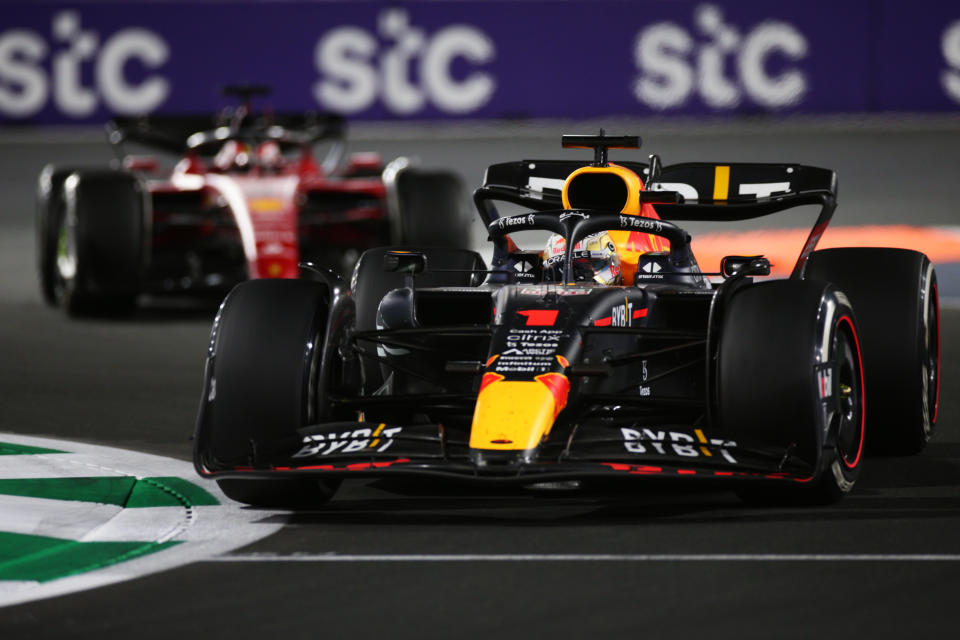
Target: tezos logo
{"type": "Point", "coordinates": [673, 64]}
{"type": "Point", "coordinates": [26, 85]}
{"type": "Point", "coordinates": [355, 71]}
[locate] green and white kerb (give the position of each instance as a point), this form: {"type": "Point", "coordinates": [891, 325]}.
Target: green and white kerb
{"type": "Point", "coordinates": [76, 516]}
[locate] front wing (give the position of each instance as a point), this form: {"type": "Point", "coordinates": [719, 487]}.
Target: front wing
{"type": "Point", "coordinates": [681, 453]}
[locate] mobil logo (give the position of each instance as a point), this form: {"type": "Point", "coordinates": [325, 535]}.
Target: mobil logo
{"type": "Point", "coordinates": [404, 66]}
{"type": "Point", "coordinates": [722, 63]}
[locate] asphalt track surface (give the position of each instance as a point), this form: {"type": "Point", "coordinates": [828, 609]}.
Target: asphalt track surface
{"type": "Point", "coordinates": [420, 560]}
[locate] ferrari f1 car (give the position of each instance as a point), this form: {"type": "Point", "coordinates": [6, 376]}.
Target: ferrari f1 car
{"type": "Point", "coordinates": [532, 372]}
{"type": "Point", "coordinates": [247, 199]}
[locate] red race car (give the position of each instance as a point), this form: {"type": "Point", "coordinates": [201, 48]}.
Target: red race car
{"type": "Point", "coordinates": [251, 196]}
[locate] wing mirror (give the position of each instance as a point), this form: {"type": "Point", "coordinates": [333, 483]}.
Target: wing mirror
{"type": "Point", "coordinates": [661, 197]}
{"type": "Point", "coordinates": [411, 262]}
{"type": "Point", "coordinates": [745, 266]}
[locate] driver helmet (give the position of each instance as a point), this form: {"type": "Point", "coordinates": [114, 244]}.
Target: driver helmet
{"type": "Point", "coordinates": [595, 259]}
{"type": "Point", "coordinates": [233, 155]}
{"type": "Point", "coordinates": [269, 155]}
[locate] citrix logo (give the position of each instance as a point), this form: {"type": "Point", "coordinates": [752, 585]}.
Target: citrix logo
{"type": "Point", "coordinates": [25, 86]}
{"type": "Point", "coordinates": [406, 67]}
{"type": "Point", "coordinates": [673, 64]}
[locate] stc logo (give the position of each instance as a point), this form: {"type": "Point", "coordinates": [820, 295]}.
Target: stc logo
{"type": "Point", "coordinates": [950, 45]}
{"type": "Point", "coordinates": [674, 64]}
{"type": "Point", "coordinates": [356, 67]}
{"type": "Point", "coordinates": [26, 85]}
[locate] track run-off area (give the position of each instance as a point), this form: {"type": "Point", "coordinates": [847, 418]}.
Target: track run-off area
{"type": "Point", "coordinates": [427, 559]}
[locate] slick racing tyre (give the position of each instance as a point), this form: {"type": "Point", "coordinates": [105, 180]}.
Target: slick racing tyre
{"type": "Point", "coordinates": [432, 209]}
{"type": "Point", "coordinates": [370, 283]}
{"type": "Point", "coordinates": [790, 375]}
{"type": "Point", "coordinates": [894, 292]}
{"type": "Point", "coordinates": [49, 216]}
{"type": "Point", "coordinates": [263, 385]}
{"type": "Point", "coordinates": [99, 244]}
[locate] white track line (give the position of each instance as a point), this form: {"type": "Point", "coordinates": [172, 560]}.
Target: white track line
{"type": "Point", "coordinates": [580, 557]}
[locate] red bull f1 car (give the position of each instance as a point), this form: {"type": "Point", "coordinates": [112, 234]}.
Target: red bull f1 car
{"type": "Point", "coordinates": [542, 368]}
{"type": "Point", "coordinates": [248, 198]}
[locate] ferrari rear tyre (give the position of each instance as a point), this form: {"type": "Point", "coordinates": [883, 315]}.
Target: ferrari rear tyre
{"type": "Point", "coordinates": [49, 218]}
{"type": "Point", "coordinates": [790, 375]}
{"type": "Point", "coordinates": [267, 347]}
{"type": "Point", "coordinates": [99, 243]}
{"type": "Point", "coordinates": [894, 292]}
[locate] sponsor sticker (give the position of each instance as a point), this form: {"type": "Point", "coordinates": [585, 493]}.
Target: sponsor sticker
{"type": "Point", "coordinates": [560, 291]}
{"type": "Point", "coordinates": [825, 383]}
{"type": "Point", "coordinates": [364, 439]}
{"type": "Point", "coordinates": [646, 440]}
{"type": "Point", "coordinates": [638, 222]}
{"type": "Point", "coordinates": [516, 221]}
{"type": "Point", "coordinates": [574, 214]}
{"type": "Point", "coordinates": [529, 351]}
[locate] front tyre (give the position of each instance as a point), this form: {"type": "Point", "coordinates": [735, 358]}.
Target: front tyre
{"type": "Point", "coordinates": [263, 383]}
{"type": "Point", "coordinates": [846, 417]}
{"type": "Point", "coordinates": [894, 292]}
{"type": "Point", "coordinates": [790, 376]}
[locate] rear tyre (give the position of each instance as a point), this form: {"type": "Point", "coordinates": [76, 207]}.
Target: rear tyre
{"type": "Point", "coordinates": [894, 292]}
{"type": "Point", "coordinates": [264, 382]}
{"type": "Point", "coordinates": [433, 209]}
{"type": "Point", "coordinates": [49, 216]}
{"type": "Point", "coordinates": [370, 283]}
{"type": "Point", "coordinates": [790, 375]}
{"type": "Point", "coordinates": [99, 243]}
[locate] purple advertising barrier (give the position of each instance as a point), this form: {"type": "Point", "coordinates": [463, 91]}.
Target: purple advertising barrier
{"type": "Point", "coordinates": [486, 59]}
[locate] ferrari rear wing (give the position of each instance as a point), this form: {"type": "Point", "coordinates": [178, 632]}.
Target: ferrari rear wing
{"type": "Point", "coordinates": [165, 133]}
{"type": "Point", "coordinates": [173, 134]}
{"type": "Point", "coordinates": [691, 191]}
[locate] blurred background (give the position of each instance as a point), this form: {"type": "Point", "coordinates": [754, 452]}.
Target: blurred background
{"type": "Point", "coordinates": [869, 88]}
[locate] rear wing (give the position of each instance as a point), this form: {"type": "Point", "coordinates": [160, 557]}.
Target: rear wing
{"type": "Point", "coordinates": [165, 133]}
{"type": "Point", "coordinates": [173, 133]}
{"type": "Point", "coordinates": [709, 191]}
{"type": "Point", "coordinates": [691, 191]}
